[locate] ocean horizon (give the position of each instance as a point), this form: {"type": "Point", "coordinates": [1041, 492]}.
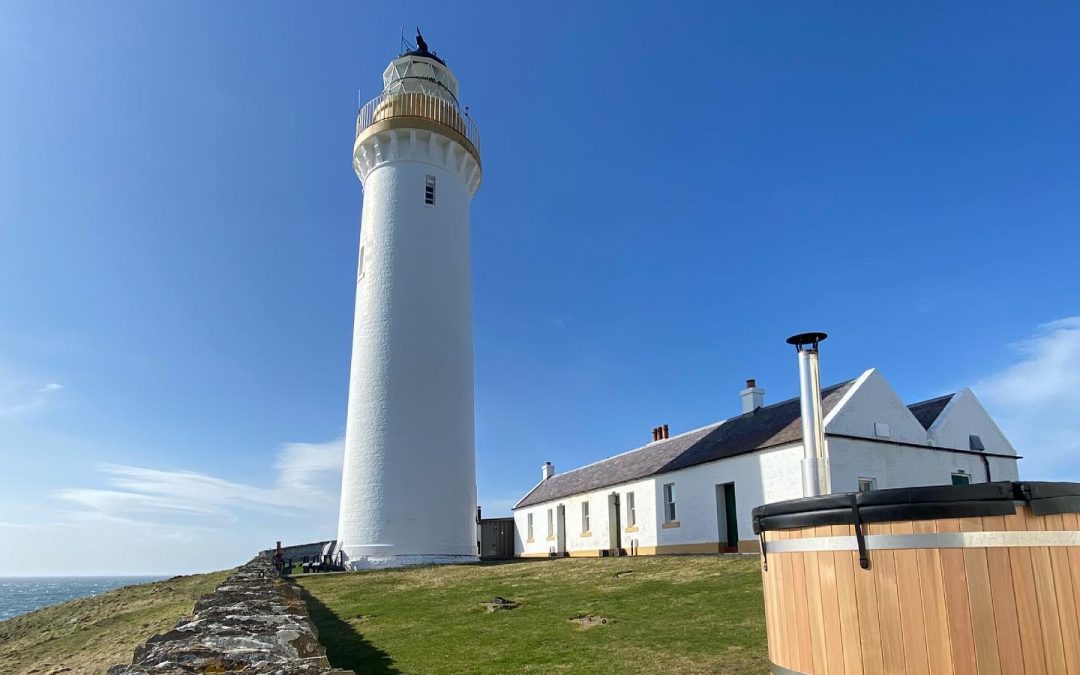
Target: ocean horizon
{"type": "Point", "coordinates": [21, 594]}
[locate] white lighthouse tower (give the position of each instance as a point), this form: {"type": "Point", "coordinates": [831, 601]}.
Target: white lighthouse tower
{"type": "Point", "coordinates": [408, 493]}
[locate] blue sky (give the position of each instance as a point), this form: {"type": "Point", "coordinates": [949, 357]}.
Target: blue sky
{"type": "Point", "coordinates": [669, 192]}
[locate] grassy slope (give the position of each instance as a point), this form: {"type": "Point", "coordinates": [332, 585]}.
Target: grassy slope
{"type": "Point", "coordinates": [700, 614]}
{"type": "Point", "coordinates": [91, 634]}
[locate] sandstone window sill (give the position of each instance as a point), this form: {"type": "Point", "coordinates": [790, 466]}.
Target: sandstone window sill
{"type": "Point", "coordinates": [632, 529]}
{"type": "Point", "coordinates": [670, 524]}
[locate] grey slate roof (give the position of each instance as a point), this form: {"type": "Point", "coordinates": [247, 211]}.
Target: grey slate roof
{"type": "Point", "coordinates": [766, 427]}
{"type": "Point", "coordinates": [928, 411]}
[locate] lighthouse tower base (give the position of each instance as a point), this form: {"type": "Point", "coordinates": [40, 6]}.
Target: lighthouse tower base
{"type": "Point", "coordinates": [375, 562]}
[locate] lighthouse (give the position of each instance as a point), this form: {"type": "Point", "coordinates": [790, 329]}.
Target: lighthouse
{"type": "Point", "coordinates": [408, 493]}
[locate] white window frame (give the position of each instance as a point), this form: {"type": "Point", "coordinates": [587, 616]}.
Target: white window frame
{"type": "Point", "coordinates": [551, 523]}
{"type": "Point", "coordinates": [529, 522]}
{"type": "Point", "coordinates": [360, 273]}
{"type": "Point", "coordinates": [585, 517]}
{"type": "Point", "coordinates": [669, 503]}
{"type": "Point", "coordinates": [631, 510]}
{"type": "Point", "coordinates": [870, 482]}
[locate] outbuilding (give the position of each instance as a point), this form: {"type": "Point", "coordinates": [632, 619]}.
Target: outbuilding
{"type": "Point", "coordinates": [694, 492]}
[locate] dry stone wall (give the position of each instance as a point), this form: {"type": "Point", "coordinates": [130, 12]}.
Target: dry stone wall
{"type": "Point", "coordinates": [255, 623]}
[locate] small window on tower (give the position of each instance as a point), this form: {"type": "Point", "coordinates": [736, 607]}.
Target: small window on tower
{"type": "Point", "coordinates": [360, 267]}
{"type": "Point", "coordinates": [429, 190]}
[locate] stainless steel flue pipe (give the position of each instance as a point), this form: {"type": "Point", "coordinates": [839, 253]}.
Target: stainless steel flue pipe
{"type": "Point", "coordinates": [816, 479]}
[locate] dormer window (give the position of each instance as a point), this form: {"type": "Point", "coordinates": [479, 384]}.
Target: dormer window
{"type": "Point", "coordinates": [429, 191]}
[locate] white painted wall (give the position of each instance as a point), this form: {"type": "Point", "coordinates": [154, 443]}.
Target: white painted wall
{"type": "Point", "coordinates": [902, 466]}
{"type": "Point", "coordinates": [408, 484]}
{"type": "Point", "coordinates": [965, 415]}
{"type": "Point", "coordinates": [872, 400]}
{"type": "Point", "coordinates": [761, 477]}
{"type": "Point", "coordinates": [600, 518]}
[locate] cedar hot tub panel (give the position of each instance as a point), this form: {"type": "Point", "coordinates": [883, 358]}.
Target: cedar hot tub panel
{"type": "Point", "coordinates": [976, 594]}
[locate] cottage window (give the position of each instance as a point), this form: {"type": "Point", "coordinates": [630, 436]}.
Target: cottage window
{"type": "Point", "coordinates": [669, 502]}
{"type": "Point", "coordinates": [551, 523]}
{"type": "Point", "coordinates": [429, 190]}
{"type": "Point", "coordinates": [961, 478]}
{"type": "Point", "coordinates": [585, 516]}
{"type": "Point", "coordinates": [631, 510]}
{"type": "Point", "coordinates": [529, 521]}
{"type": "Point", "coordinates": [867, 484]}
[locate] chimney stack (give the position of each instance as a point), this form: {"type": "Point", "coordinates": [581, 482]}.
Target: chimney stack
{"type": "Point", "coordinates": [816, 479]}
{"type": "Point", "coordinates": [753, 397]}
{"type": "Point", "coordinates": [548, 470]}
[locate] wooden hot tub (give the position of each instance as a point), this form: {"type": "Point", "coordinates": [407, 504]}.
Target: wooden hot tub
{"type": "Point", "coordinates": [978, 578]}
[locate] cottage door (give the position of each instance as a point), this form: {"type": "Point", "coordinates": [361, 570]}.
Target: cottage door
{"type": "Point", "coordinates": [727, 519]}
{"type": "Point", "coordinates": [614, 522]}
{"type": "Point", "coordinates": [560, 530]}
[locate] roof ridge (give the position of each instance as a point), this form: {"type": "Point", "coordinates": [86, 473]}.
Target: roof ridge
{"type": "Point", "coordinates": [932, 400]}
{"type": "Point", "coordinates": [647, 446]}
{"type": "Point", "coordinates": [691, 431]}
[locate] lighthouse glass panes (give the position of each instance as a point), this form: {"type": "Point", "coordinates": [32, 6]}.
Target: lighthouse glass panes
{"type": "Point", "coordinates": [429, 191]}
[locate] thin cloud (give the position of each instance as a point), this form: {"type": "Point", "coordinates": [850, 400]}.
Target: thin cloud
{"type": "Point", "coordinates": [18, 399]}
{"type": "Point", "coordinates": [308, 480]}
{"type": "Point", "coordinates": [1036, 401]}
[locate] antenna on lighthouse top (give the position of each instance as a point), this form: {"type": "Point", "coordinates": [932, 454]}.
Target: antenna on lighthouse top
{"type": "Point", "coordinates": [421, 48]}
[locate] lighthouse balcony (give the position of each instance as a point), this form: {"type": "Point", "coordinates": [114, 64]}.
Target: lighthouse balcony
{"type": "Point", "coordinates": [403, 110]}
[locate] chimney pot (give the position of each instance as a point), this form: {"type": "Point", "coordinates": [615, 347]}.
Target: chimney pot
{"type": "Point", "coordinates": [751, 383]}
{"type": "Point", "coordinates": [665, 432]}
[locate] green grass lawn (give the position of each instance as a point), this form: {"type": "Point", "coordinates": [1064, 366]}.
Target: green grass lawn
{"type": "Point", "coordinates": [692, 614]}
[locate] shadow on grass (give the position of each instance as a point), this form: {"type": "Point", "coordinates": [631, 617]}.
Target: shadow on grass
{"type": "Point", "coordinates": [345, 646]}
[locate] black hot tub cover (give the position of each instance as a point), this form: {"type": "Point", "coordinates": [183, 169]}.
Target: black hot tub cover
{"type": "Point", "coordinates": [918, 503]}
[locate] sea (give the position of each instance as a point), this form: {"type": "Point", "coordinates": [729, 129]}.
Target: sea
{"type": "Point", "coordinates": [19, 595]}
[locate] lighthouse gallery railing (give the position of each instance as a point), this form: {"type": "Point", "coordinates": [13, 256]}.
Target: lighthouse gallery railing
{"type": "Point", "coordinates": [420, 105]}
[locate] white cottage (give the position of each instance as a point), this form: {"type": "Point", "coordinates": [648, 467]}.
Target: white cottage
{"type": "Point", "coordinates": [693, 493]}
